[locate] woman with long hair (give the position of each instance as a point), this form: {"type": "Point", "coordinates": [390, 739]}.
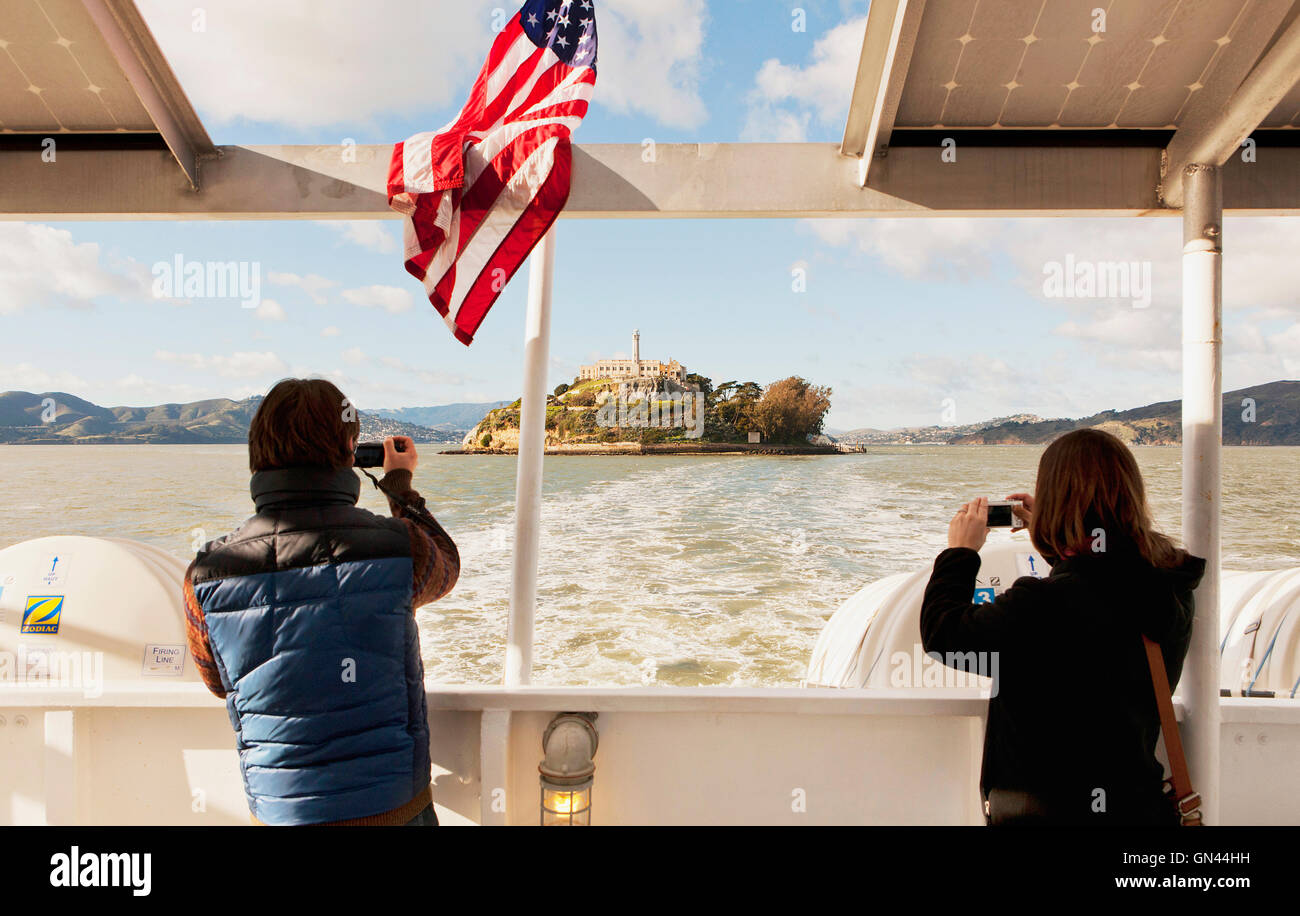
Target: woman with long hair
{"type": "Point", "coordinates": [1072, 723]}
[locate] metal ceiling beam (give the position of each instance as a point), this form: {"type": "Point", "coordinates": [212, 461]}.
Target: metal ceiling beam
{"type": "Point", "coordinates": [887, 47]}
{"type": "Point", "coordinates": [612, 181]}
{"type": "Point", "coordinates": [137, 53]}
{"type": "Point", "coordinates": [1212, 138]}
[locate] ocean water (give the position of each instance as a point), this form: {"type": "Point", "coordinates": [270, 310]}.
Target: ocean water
{"type": "Point", "coordinates": [682, 571]}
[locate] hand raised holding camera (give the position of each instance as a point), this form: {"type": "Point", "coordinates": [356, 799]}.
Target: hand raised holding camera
{"type": "Point", "coordinates": [1025, 511]}
{"type": "Point", "coordinates": [403, 460]}
{"type": "Point", "coordinates": [970, 526]}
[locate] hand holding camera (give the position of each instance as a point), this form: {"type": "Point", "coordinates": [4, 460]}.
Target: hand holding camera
{"type": "Point", "coordinates": [399, 454]}
{"type": "Point", "coordinates": [970, 526]}
{"type": "Point", "coordinates": [394, 453]}
{"type": "Point", "coordinates": [1024, 511]}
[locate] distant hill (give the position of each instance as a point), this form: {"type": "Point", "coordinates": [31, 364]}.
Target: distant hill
{"type": "Point", "coordinates": [454, 419]}
{"type": "Point", "coordinates": [25, 418]}
{"type": "Point", "coordinates": [919, 435]}
{"type": "Point", "coordinates": [1275, 421]}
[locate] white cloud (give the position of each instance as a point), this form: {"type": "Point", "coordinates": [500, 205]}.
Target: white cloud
{"type": "Point", "coordinates": [336, 62]}
{"type": "Point", "coordinates": [945, 247]}
{"type": "Point", "coordinates": [368, 233]}
{"type": "Point", "coordinates": [1122, 328]}
{"type": "Point", "coordinates": [787, 97]}
{"type": "Point", "coordinates": [1252, 356]}
{"type": "Point", "coordinates": [766, 124]}
{"type": "Point", "coordinates": [1287, 341]}
{"type": "Point", "coordinates": [1129, 355]}
{"type": "Point", "coordinates": [330, 331]}
{"type": "Point", "coordinates": [311, 284]}
{"type": "Point", "coordinates": [650, 57]}
{"type": "Point", "coordinates": [236, 365]}
{"type": "Point", "coordinates": [990, 377]}
{"type": "Point", "coordinates": [936, 389]}
{"type": "Point", "coordinates": [270, 310]}
{"type": "Point", "coordinates": [1119, 335]}
{"type": "Point", "coordinates": [355, 356]}
{"type": "Point", "coordinates": [389, 298]}
{"type": "Point", "coordinates": [135, 390]}
{"type": "Point", "coordinates": [26, 377]}
{"type": "Point", "coordinates": [325, 62]}
{"type": "Point", "coordinates": [42, 266]}
{"type": "Point", "coordinates": [337, 376]}
{"type": "Point", "coordinates": [935, 247]}
{"type": "Point", "coordinates": [426, 377]}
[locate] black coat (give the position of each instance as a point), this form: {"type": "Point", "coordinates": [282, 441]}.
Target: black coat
{"type": "Point", "coordinates": [1073, 718]}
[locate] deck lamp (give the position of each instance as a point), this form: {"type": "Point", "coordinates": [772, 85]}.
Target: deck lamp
{"type": "Point", "coordinates": [568, 746]}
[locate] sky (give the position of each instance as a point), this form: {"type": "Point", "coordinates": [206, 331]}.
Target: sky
{"type": "Point", "coordinates": [909, 321]}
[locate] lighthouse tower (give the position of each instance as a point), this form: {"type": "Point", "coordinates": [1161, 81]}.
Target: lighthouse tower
{"type": "Point", "coordinates": [636, 351]}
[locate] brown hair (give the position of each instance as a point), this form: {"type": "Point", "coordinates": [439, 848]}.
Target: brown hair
{"type": "Point", "coordinates": [303, 423]}
{"type": "Point", "coordinates": [1088, 479]}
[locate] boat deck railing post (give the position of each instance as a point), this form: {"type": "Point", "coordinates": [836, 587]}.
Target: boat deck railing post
{"type": "Point", "coordinates": [1202, 487]}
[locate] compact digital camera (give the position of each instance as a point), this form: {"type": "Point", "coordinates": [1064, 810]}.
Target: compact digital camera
{"type": "Point", "coordinates": [1001, 516]}
{"type": "Point", "coordinates": [371, 454]}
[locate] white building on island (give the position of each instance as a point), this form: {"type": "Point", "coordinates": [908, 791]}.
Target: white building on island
{"type": "Point", "coordinates": [634, 368]}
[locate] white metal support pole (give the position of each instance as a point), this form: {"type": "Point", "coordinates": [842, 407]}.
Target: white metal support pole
{"type": "Point", "coordinates": [1202, 490]}
{"type": "Point", "coordinates": [528, 482]}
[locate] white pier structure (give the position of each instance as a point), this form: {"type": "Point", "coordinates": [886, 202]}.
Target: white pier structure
{"type": "Point", "coordinates": [1046, 115]}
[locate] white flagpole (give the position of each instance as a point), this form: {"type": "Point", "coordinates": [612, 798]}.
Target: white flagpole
{"type": "Point", "coordinates": [528, 481]}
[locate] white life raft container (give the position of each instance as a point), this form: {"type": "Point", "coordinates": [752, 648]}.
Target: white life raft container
{"type": "Point", "coordinates": [873, 640]}
{"type": "Point", "coordinates": [90, 614]}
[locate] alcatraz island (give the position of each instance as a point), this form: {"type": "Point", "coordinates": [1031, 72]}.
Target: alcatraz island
{"type": "Point", "coordinates": [635, 406]}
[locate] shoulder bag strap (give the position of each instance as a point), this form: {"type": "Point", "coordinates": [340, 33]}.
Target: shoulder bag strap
{"type": "Point", "coordinates": [1189, 802]}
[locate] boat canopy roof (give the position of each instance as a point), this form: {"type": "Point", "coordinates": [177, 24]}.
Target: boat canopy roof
{"type": "Point", "coordinates": [93, 71]}
{"type": "Point", "coordinates": [1161, 71]}
{"type": "Point", "coordinates": [1044, 107]}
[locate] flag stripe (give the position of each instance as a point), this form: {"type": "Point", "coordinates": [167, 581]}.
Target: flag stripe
{"type": "Point", "coordinates": [489, 178]}
{"type": "Point", "coordinates": [514, 247]}
{"type": "Point", "coordinates": [511, 194]}
{"type": "Point", "coordinates": [556, 82]}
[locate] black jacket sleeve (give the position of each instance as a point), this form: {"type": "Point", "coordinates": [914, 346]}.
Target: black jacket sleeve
{"type": "Point", "coordinates": [952, 622]}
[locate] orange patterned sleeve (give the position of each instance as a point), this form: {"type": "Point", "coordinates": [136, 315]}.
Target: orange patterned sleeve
{"type": "Point", "coordinates": [434, 557]}
{"type": "Point", "coordinates": [196, 634]}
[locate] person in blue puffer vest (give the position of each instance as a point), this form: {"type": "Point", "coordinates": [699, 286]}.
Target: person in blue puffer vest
{"type": "Point", "coordinates": [303, 619]}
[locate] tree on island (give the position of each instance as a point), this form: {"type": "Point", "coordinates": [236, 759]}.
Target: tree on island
{"type": "Point", "coordinates": [732, 405]}
{"type": "Point", "coordinates": [790, 410]}
{"type": "Point", "coordinates": [701, 383]}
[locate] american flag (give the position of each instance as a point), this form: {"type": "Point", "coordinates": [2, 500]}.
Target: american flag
{"type": "Point", "coordinates": [482, 191]}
